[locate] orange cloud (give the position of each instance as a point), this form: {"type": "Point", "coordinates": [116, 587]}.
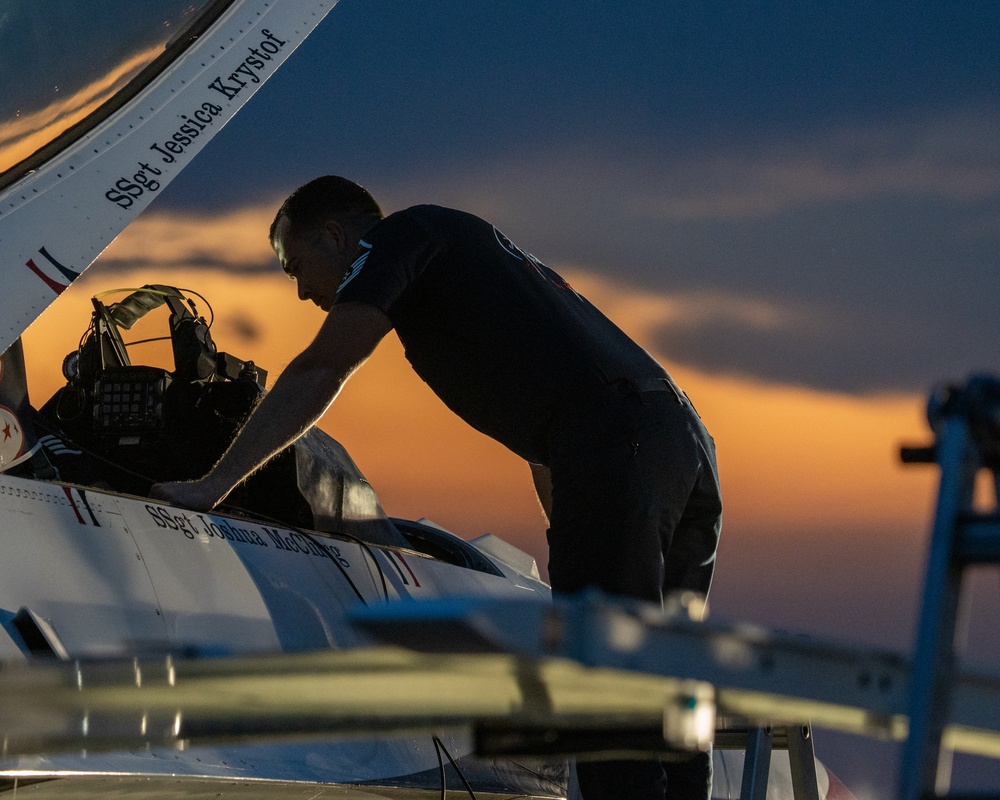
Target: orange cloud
{"type": "Point", "coordinates": [173, 239]}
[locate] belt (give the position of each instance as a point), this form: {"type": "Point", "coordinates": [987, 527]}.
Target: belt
{"type": "Point", "coordinates": [601, 409]}
{"type": "Point", "coordinates": [643, 385]}
{"type": "Point", "coordinates": [619, 388]}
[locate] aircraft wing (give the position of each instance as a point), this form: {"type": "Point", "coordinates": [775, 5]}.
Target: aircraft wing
{"type": "Point", "coordinates": [530, 677]}
{"type": "Point", "coordinates": [158, 702]}
{"type": "Point", "coordinates": [76, 170]}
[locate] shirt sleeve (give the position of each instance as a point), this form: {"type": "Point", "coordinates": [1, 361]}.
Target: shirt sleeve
{"type": "Point", "coordinates": [390, 259]}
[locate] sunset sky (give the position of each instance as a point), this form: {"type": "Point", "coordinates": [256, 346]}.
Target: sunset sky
{"type": "Point", "coordinates": [796, 208]}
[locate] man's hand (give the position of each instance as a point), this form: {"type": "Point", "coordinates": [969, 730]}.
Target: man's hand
{"type": "Point", "coordinates": [200, 495]}
{"type": "Point", "coordinates": [300, 396]}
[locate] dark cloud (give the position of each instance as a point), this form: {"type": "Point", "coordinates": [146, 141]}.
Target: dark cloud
{"type": "Point", "coordinates": [885, 235]}
{"type": "Point", "coordinates": [839, 158]}
{"type": "Point", "coordinates": [845, 349]}
{"type": "Point", "coordinates": [393, 89]}
{"type": "Point", "coordinates": [243, 327]}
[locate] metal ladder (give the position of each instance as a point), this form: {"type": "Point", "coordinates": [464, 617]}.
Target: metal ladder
{"type": "Point", "coordinates": [966, 424]}
{"type": "Point", "coordinates": [758, 742]}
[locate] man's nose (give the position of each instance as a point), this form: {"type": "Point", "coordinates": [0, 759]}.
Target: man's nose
{"type": "Point", "coordinates": [303, 292]}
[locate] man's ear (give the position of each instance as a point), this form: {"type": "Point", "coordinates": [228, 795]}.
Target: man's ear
{"type": "Point", "coordinates": [337, 233]}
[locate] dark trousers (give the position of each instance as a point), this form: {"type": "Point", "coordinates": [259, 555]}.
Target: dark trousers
{"type": "Point", "coordinates": [636, 511]}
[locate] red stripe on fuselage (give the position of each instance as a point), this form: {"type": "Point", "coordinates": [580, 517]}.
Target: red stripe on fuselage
{"type": "Point", "coordinates": [403, 561]}
{"type": "Point", "coordinates": [72, 502]}
{"type": "Point", "coordinates": [58, 288]}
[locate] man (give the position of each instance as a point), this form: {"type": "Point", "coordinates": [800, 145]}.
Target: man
{"type": "Point", "coordinates": [624, 468]}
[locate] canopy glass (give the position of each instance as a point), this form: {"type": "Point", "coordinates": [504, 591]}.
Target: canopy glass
{"type": "Point", "coordinates": [64, 65]}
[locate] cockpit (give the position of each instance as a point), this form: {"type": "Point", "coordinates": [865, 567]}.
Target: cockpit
{"type": "Point", "coordinates": [149, 397]}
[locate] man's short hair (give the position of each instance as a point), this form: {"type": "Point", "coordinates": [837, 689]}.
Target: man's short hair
{"type": "Point", "coordinates": [323, 199]}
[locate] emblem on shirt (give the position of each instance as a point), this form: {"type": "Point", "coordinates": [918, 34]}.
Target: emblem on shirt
{"type": "Point", "coordinates": [507, 244]}
{"type": "Point", "coordinates": [359, 262]}
{"type": "Point", "coordinates": [548, 274]}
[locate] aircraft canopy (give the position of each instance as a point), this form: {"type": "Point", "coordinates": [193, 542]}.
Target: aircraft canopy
{"type": "Point", "coordinates": [65, 65]}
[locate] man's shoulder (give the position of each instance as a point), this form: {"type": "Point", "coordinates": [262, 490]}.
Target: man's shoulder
{"type": "Point", "coordinates": [427, 222]}
{"type": "Point", "coordinates": [430, 213]}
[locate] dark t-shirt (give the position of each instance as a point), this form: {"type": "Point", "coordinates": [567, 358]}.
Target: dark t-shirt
{"type": "Point", "coordinates": [503, 340]}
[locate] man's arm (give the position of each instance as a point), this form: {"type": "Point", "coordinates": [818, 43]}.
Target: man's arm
{"type": "Point", "coordinates": [542, 478]}
{"type": "Point", "coordinates": [299, 398]}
